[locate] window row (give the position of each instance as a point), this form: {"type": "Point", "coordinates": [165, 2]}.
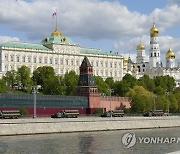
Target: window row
{"type": "Point", "coordinates": [155, 54]}
{"type": "Point", "coordinates": [51, 60]}
{"type": "Point", "coordinates": [40, 60]}
{"type": "Point", "coordinates": [106, 64]}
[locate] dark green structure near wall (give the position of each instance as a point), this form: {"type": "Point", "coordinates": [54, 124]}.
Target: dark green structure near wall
{"type": "Point", "coordinates": [53, 101]}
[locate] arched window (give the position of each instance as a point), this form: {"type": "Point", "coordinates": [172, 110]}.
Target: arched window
{"type": "Point", "coordinates": [139, 68]}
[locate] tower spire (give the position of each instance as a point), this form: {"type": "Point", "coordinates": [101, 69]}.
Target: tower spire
{"type": "Point", "coordinates": [154, 20]}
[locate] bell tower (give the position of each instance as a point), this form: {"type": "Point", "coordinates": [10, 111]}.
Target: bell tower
{"type": "Point", "coordinates": [154, 51]}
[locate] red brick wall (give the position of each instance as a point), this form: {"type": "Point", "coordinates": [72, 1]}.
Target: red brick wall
{"type": "Point", "coordinates": [104, 102]}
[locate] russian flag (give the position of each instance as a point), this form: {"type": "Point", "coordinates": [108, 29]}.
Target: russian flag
{"type": "Point", "coordinates": [54, 14]}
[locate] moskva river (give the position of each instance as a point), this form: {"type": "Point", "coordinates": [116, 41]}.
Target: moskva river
{"type": "Point", "coordinates": [148, 141]}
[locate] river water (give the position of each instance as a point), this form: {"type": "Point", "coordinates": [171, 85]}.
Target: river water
{"type": "Point", "coordinates": [107, 142]}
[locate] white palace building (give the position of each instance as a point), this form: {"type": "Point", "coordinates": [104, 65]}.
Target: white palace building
{"type": "Point", "coordinates": [60, 53]}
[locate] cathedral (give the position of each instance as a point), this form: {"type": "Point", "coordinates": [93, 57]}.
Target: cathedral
{"type": "Point", "coordinates": [154, 66]}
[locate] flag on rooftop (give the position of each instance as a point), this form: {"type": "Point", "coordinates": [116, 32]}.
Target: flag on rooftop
{"type": "Point", "coordinates": [53, 15]}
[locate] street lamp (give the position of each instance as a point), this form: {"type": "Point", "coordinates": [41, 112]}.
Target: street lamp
{"type": "Point", "coordinates": [154, 97]}
{"type": "Point", "coordinates": [103, 96]}
{"type": "Point", "coordinates": [167, 97]}
{"type": "Point", "coordinates": [34, 91]}
{"type": "Point", "coordinates": [111, 91]}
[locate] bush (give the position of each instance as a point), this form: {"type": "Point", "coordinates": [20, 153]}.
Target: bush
{"type": "Point", "coordinates": [24, 111]}
{"type": "Point", "coordinates": [98, 111]}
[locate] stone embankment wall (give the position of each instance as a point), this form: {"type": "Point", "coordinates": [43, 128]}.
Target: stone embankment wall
{"type": "Point", "coordinates": [47, 125]}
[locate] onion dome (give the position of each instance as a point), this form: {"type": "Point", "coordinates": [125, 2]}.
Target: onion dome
{"type": "Point", "coordinates": [154, 31]}
{"type": "Point", "coordinates": [170, 54]}
{"type": "Point", "coordinates": [56, 33]}
{"type": "Point", "coordinates": [140, 47]}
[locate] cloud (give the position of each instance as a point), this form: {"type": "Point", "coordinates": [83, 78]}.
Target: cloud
{"type": "Point", "coordinates": [91, 19]}
{"type": "Point", "coordinates": [8, 39]}
{"type": "Point", "coordinates": [174, 2]}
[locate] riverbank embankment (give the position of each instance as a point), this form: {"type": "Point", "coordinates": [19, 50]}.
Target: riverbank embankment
{"type": "Point", "coordinates": [83, 124]}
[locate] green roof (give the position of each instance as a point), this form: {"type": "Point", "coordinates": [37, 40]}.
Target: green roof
{"type": "Point", "coordinates": [98, 51]}
{"type": "Point", "coordinates": [24, 45]}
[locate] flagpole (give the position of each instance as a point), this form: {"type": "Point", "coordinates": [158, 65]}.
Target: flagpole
{"type": "Point", "coordinates": [56, 18]}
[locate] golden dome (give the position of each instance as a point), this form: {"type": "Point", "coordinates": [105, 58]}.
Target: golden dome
{"type": "Point", "coordinates": [154, 31]}
{"type": "Point", "coordinates": [140, 47]}
{"type": "Point", "coordinates": [125, 60]}
{"type": "Point", "coordinates": [170, 54]}
{"type": "Point", "coordinates": [56, 33]}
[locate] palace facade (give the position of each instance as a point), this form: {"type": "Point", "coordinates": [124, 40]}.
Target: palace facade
{"type": "Point", "coordinates": [62, 54]}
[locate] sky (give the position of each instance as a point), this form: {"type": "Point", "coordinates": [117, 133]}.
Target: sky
{"type": "Point", "coordinates": [111, 25]}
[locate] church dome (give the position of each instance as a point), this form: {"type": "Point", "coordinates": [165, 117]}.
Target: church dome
{"type": "Point", "coordinates": [140, 47]}
{"type": "Point", "coordinates": [170, 54]}
{"type": "Point", "coordinates": [56, 33]}
{"type": "Point", "coordinates": [154, 31]}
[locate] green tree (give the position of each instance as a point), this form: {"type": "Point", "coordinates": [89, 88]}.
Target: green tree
{"type": "Point", "coordinates": [166, 82]}
{"type": "Point", "coordinates": [121, 88]}
{"type": "Point", "coordinates": [70, 81]}
{"type": "Point", "coordinates": [102, 85]}
{"type": "Point", "coordinates": [54, 86]}
{"type": "Point", "coordinates": [173, 103]}
{"type": "Point", "coordinates": [161, 103]}
{"type": "Point", "coordinates": [24, 76]}
{"type": "Point", "coordinates": [177, 95]}
{"type": "Point", "coordinates": [42, 74]}
{"type": "Point", "coordinates": [11, 78]}
{"type": "Point", "coordinates": [159, 91]}
{"type": "Point", "coordinates": [141, 99]}
{"type": "Point", "coordinates": [3, 86]}
{"type": "Point", "coordinates": [131, 80]}
{"type": "Point", "coordinates": [110, 82]}
{"type": "Point", "coordinates": [147, 83]}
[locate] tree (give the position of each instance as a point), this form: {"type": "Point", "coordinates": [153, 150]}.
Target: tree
{"type": "Point", "coordinates": [177, 95]}
{"type": "Point", "coordinates": [11, 78]}
{"type": "Point", "coordinates": [147, 83]}
{"type": "Point", "coordinates": [102, 85]}
{"type": "Point", "coordinates": [54, 86]}
{"type": "Point", "coordinates": [110, 82]}
{"type": "Point", "coordinates": [131, 80]}
{"type": "Point", "coordinates": [161, 103]}
{"type": "Point", "coordinates": [166, 82]}
{"type": "Point", "coordinates": [3, 86]}
{"type": "Point", "coordinates": [141, 99]}
{"type": "Point", "coordinates": [159, 91]}
{"type": "Point", "coordinates": [70, 81]}
{"type": "Point", "coordinates": [24, 76]}
{"type": "Point", "coordinates": [42, 74]}
{"type": "Point", "coordinates": [121, 88]}
{"type": "Point", "coordinates": [173, 103]}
